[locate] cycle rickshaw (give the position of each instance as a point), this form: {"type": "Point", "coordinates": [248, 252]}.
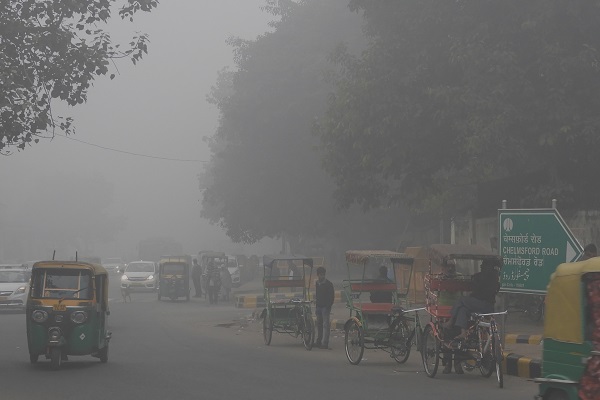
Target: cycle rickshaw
{"type": "Point", "coordinates": [482, 348]}
{"type": "Point", "coordinates": [282, 314]}
{"type": "Point", "coordinates": [377, 299]}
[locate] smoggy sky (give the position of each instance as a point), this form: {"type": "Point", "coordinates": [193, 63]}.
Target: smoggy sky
{"type": "Point", "coordinates": [157, 108]}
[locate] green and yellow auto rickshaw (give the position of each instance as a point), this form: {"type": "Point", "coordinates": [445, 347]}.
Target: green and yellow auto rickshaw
{"type": "Point", "coordinates": [571, 346]}
{"type": "Point", "coordinates": [67, 311]}
{"type": "Point", "coordinates": [174, 277]}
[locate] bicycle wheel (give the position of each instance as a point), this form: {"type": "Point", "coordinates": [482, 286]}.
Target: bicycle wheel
{"type": "Point", "coordinates": [535, 309]}
{"type": "Point", "coordinates": [399, 340]}
{"type": "Point", "coordinates": [267, 328]}
{"type": "Point", "coordinates": [308, 331]}
{"type": "Point", "coordinates": [487, 363]}
{"type": "Point", "coordinates": [354, 342]}
{"type": "Point", "coordinates": [430, 351]}
{"type": "Point", "coordinates": [497, 346]}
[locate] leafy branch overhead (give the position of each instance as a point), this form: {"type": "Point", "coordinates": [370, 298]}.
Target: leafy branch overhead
{"type": "Point", "coordinates": [52, 49]}
{"type": "Point", "coordinates": [451, 95]}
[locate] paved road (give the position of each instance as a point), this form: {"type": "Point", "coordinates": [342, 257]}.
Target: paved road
{"type": "Point", "coordinates": [192, 350]}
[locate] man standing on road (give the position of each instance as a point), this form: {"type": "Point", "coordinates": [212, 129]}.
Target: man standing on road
{"type": "Point", "coordinates": [324, 298]}
{"type": "Point", "coordinates": [197, 278]}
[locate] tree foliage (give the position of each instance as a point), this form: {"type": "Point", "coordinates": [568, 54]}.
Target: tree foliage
{"type": "Point", "coordinates": [451, 94]}
{"type": "Point", "coordinates": [264, 178]}
{"type": "Point", "coordinates": [51, 49]}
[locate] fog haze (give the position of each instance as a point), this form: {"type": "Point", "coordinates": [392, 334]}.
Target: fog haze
{"type": "Point", "coordinates": [156, 110]}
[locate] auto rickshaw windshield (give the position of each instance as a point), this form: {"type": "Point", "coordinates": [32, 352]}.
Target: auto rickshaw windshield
{"type": "Point", "coordinates": [173, 269]}
{"type": "Point", "coordinates": [58, 283]}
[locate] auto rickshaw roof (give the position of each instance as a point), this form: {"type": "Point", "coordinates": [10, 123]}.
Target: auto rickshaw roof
{"type": "Point", "coordinates": [462, 251]}
{"type": "Point", "coordinates": [563, 319]}
{"type": "Point", "coordinates": [269, 260]}
{"type": "Point", "coordinates": [97, 269]}
{"type": "Point", "coordinates": [361, 256]}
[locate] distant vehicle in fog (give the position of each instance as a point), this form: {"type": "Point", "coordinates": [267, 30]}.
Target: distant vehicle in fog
{"type": "Point", "coordinates": [139, 276]}
{"type": "Point", "coordinates": [234, 271]}
{"type": "Point", "coordinates": [14, 286]}
{"type": "Point", "coordinates": [113, 264]}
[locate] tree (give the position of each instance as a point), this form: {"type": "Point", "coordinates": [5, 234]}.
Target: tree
{"type": "Point", "coordinates": [52, 49]}
{"type": "Point", "coordinates": [450, 95]}
{"type": "Point", "coordinates": [264, 178]}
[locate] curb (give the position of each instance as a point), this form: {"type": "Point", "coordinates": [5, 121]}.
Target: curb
{"type": "Point", "coordinates": [258, 300]}
{"type": "Point", "coordinates": [523, 367]}
{"type": "Point", "coordinates": [522, 339]}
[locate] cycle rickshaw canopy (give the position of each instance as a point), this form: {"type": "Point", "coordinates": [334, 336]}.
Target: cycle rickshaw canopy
{"type": "Point", "coordinates": [283, 314]}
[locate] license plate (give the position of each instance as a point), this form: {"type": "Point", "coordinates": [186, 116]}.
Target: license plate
{"type": "Point", "coordinates": [59, 307]}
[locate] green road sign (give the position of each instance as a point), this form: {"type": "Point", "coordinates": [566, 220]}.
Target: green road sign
{"type": "Point", "coordinates": [532, 244]}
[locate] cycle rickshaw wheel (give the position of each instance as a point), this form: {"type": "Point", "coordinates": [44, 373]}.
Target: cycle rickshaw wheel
{"type": "Point", "coordinates": [399, 341]}
{"type": "Point", "coordinates": [488, 361]}
{"type": "Point", "coordinates": [430, 352]}
{"type": "Point", "coordinates": [308, 332]}
{"type": "Point", "coordinates": [498, 360]}
{"type": "Point", "coordinates": [354, 343]}
{"type": "Point", "coordinates": [267, 328]}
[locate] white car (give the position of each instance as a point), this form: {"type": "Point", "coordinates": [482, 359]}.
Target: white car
{"type": "Point", "coordinates": [139, 276]}
{"type": "Point", "coordinates": [14, 287]}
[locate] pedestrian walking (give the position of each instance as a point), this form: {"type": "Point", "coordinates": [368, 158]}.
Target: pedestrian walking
{"type": "Point", "coordinates": [324, 300]}
{"type": "Point", "coordinates": [213, 276]}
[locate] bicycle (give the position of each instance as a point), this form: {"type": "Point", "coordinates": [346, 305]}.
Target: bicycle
{"type": "Point", "coordinates": [401, 338]}
{"type": "Point", "coordinates": [484, 346]}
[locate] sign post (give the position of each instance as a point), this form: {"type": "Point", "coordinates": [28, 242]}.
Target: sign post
{"type": "Point", "coordinates": [532, 243]}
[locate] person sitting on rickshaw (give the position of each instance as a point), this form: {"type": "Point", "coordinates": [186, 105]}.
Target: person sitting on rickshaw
{"type": "Point", "coordinates": [380, 296]}
{"type": "Point", "coordinates": [486, 284]}
{"type": "Point", "coordinates": [449, 298]}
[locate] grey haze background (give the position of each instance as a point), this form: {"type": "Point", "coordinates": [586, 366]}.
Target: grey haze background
{"type": "Point", "coordinates": [156, 108]}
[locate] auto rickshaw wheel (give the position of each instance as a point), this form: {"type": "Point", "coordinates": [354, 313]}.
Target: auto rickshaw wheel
{"type": "Point", "coordinates": [55, 358]}
{"type": "Point", "coordinates": [354, 342]}
{"type": "Point", "coordinates": [430, 352]}
{"type": "Point", "coordinates": [308, 334]}
{"type": "Point", "coordinates": [267, 328]}
{"type": "Point", "coordinates": [103, 354]}
{"type": "Point", "coordinates": [399, 341]}
{"type": "Point", "coordinates": [33, 358]}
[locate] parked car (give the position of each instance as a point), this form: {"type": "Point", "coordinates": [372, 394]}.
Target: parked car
{"type": "Point", "coordinates": [113, 265]}
{"type": "Point", "coordinates": [14, 286]}
{"type": "Point", "coordinates": [139, 276]}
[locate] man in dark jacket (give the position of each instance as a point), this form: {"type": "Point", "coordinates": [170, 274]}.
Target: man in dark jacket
{"type": "Point", "coordinates": [197, 278]}
{"type": "Point", "coordinates": [324, 300]}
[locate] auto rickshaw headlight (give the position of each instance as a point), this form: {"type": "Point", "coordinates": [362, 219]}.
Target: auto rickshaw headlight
{"type": "Point", "coordinates": [39, 316]}
{"type": "Point", "coordinates": [54, 333]}
{"type": "Point", "coordinates": [150, 277]}
{"type": "Point", "coordinates": [79, 317]}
